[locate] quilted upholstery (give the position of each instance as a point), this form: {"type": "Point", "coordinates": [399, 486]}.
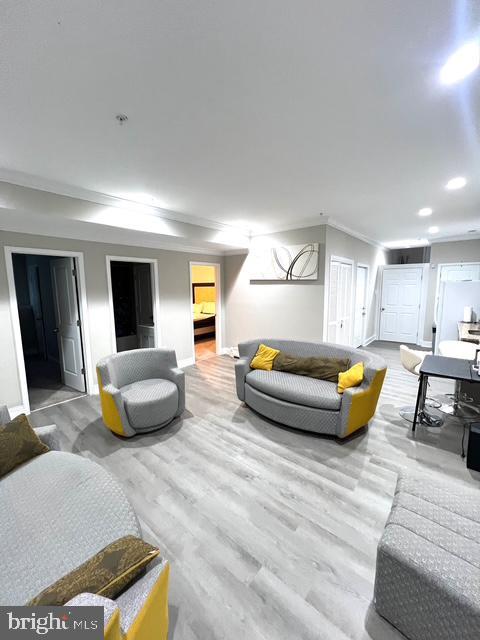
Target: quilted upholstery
{"type": "Point", "coordinates": [52, 495]}
{"type": "Point", "coordinates": [292, 415]}
{"type": "Point", "coordinates": [306, 403]}
{"type": "Point", "coordinates": [150, 402]}
{"type": "Point", "coordinates": [136, 390]}
{"type": "Point", "coordinates": [428, 563]}
{"type": "Point", "coordinates": [298, 389]}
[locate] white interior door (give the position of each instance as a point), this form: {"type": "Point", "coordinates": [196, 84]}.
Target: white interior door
{"type": "Point", "coordinates": [340, 305]}
{"type": "Point", "coordinates": [360, 314]}
{"type": "Point", "coordinates": [68, 322]}
{"type": "Point", "coordinates": [400, 304]}
{"type": "Point", "coordinates": [460, 272]}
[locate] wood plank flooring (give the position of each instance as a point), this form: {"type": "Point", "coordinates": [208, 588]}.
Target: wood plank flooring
{"type": "Point", "coordinates": [271, 533]}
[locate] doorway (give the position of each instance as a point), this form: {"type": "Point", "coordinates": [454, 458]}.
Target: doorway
{"type": "Point", "coordinates": [339, 323]}
{"type": "Point", "coordinates": [133, 286]}
{"type": "Point", "coordinates": [205, 292]}
{"type": "Point", "coordinates": [360, 313]}
{"type": "Point", "coordinates": [400, 303]}
{"type": "Point", "coordinates": [49, 321]}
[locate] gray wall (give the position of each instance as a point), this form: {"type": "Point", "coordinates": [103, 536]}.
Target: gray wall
{"type": "Point", "coordinates": [343, 245]}
{"type": "Point", "coordinates": [277, 309]}
{"type": "Point", "coordinates": [444, 253]}
{"type": "Point", "coordinates": [174, 284]}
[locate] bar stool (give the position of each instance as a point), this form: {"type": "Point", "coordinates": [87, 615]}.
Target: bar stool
{"type": "Point", "coordinates": [412, 361]}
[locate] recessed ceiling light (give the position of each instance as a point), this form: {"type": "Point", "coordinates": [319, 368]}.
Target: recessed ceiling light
{"type": "Point", "coordinates": [461, 63]}
{"type": "Point", "coordinates": [426, 211]}
{"type": "Point", "coordinates": [433, 229]}
{"type": "Point", "coordinates": [456, 183]}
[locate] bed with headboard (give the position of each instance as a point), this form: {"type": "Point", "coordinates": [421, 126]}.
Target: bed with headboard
{"type": "Point", "coordinates": [204, 312]}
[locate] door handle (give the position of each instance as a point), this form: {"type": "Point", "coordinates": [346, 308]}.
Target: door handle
{"type": "Point", "coordinates": [56, 330]}
{"type": "Point", "coordinates": [382, 309]}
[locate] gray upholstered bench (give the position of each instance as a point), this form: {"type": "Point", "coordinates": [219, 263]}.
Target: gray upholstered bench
{"type": "Point", "coordinates": [428, 563]}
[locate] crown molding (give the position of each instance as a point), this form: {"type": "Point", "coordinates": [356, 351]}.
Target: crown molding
{"type": "Point", "coordinates": [85, 232]}
{"type": "Point", "coordinates": [61, 189]}
{"type": "Point", "coordinates": [355, 234]}
{"type": "Point", "coordinates": [306, 223]}
{"type": "Point", "coordinates": [457, 238]}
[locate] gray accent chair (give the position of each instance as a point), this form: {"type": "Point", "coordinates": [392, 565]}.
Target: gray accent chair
{"type": "Point", "coordinates": [58, 510]}
{"type": "Point", "coordinates": [427, 581]}
{"type": "Point", "coordinates": [48, 434]}
{"type": "Point", "coordinates": [140, 390]}
{"type": "Point", "coordinates": [307, 403]}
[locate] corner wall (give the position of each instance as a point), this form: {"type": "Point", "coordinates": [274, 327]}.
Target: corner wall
{"type": "Point", "coordinates": [444, 253]}
{"type": "Point", "coordinates": [343, 245]}
{"type": "Point", "coordinates": [174, 287]}
{"type": "Point", "coordinates": [274, 309]}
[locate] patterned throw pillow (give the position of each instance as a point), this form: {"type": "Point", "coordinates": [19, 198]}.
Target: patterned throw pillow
{"type": "Point", "coordinates": [18, 443]}
{"type": "Point", "coordinates": [106, 574]}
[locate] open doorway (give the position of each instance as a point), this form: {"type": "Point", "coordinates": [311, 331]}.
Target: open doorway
{"type": "Point", "coordinates": [205, 309]}
{"type": "Point", "coordinates": [47, 300]}
{"type": "Point", "coordinates": [132, 301]}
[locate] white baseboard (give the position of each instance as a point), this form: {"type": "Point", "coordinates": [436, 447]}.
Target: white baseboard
{"type": "Point", "coordinates": [16, 411]}
{"type": "Point", "coordinates": [425, 343]}
{"type": "Point", "coordinates": [186, 362]}
{"type": "Point", "coordinates": [229, 351]}
{"type": "Point", "coordinates": [369, 340]}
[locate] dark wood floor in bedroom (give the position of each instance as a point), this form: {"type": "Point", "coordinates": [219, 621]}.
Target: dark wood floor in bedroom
{"type": "Point", "coordinates": [271, 533]}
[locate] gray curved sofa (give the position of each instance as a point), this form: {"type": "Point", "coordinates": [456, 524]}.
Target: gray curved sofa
{"type": "Point", "coordinates": [307, 403]}
{"type": "Point", "coordinates": [140, 390]}
{"type": "Point", "coordinates": [58, 510]}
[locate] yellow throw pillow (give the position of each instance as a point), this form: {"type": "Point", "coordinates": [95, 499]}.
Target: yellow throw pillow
{"type": "Point", "coordinates": [351, 378]}
{"type": "Point", "coordinates": [264, 358]}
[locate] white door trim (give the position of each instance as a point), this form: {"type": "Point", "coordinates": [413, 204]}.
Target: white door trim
{"type": "Point", "coordinates": [83, 311]}
{"type": "Point", "coordinates": [218, 304]}
{"type": "Point", "coordinates": [155, 296]}
{"type": "Point", "coordinates": [334, 258]}
{"type": "Point", "coordinates": [362, 265]}
{"type": "Point", "coordinates": [423, 296]}
{"type": "Point", "coordinates": [439, 269]}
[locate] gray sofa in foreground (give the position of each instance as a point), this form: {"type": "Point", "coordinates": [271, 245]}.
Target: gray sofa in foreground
{"type": "Point", "coordinates": [307, 403]}
{"type": "Point", "coordinates": [428, 562]}
{"type": "Point", "coordinates": [58, 510]}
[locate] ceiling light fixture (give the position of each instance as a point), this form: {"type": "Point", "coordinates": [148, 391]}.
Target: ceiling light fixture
{"type": "Point", "coordinates": [461, 63]}
{"type": "Point", "coordinates": [426, 211]}
{"type": "Point", "coordinates": [433, 229]}
{"type": "Point", "coordinates": [456, 183]}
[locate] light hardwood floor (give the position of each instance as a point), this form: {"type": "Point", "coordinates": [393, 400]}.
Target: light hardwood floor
{"type": "Point", "coordinates": [271, 533]}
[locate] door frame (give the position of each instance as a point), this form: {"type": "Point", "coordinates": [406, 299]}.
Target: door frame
{"type": "Point", "coordinates": [425, 266]}
{"type": "Point", "coordinates": [218, 304]}
{"type": "Point", "coordinates": [437, 280]}
{"type": "Point", "coordinates": [153, 262]}
{"type": "Point", "coordinates": [82, 310]}
{"type": "Point", "coordinates": [362, 265]}
{"type": "Point", "coordinates": [334, 258]}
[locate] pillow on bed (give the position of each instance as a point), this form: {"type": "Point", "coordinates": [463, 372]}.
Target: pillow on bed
{"type": "Point", "coordinates": [197, 307]}
{"type": "Point", "coordinates": [208, 307]}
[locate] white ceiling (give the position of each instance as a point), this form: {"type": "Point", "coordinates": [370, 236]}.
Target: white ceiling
{"type": "Point", "coordinates": [256, 114]}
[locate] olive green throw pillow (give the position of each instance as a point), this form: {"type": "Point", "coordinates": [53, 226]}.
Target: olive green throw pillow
{"type": "Point", "coordinates": [18, 443]}
{"type": "Point", "coordinates": [106, 574]}
{"type": "Point", "coordinates": [321, 368]}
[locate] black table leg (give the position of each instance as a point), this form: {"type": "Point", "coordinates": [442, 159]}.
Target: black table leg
{"type": "Point", "coordinates": [421, 383]}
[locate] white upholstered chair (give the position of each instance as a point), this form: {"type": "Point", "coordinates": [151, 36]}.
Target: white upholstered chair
{"type": "Point", "coordinates": [412, 360]}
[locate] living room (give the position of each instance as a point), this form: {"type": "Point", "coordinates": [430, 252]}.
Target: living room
{"type": "Point", "coordinates": [240, 311]}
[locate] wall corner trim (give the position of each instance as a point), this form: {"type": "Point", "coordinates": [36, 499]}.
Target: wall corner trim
{"type": "Point", "coordinates": [186, 362]}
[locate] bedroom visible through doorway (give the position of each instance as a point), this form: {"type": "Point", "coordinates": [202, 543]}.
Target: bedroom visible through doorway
{"type": "Point", "coordinates": [204, 299]}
